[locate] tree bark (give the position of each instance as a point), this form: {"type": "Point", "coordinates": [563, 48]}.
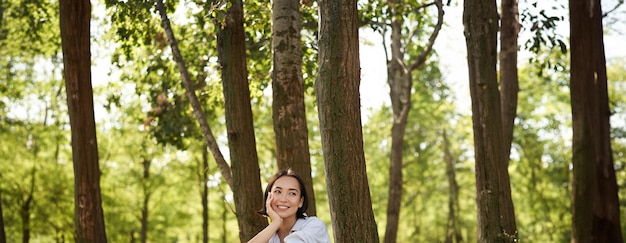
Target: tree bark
{"type": "Point", "coordinates": [509, 81]}
{"type": "Point", "coordinates": [400, 82]}
{"type": "Point", "coordinates": [595, 220]}
{"type": "Point", "coordinates": [338, 102]}
{"type": "Point", "coordinates": [290, 124]}
{"type": "Point", "coordinates": [247, 191]}
{"type": "Point", "coordinates": [509, 88]}
{"type": "Point", "coordinates": [480, 19]}
{"type": "Point", "coordinates": [75, 19]}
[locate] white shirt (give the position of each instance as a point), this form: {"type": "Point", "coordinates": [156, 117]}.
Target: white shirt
{"type": "Point", "coordinates": [306, 230]}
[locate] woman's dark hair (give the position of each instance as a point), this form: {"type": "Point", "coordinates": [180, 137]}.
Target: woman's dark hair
{"type": "Point", "coordinates": [289, 172]}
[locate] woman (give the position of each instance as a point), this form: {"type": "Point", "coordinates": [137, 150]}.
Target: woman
{"type": "Point", "coordinates": [285, 204]}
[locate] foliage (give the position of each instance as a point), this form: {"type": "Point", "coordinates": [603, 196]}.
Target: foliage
{"type": "Point", "coordinates": [35, 156]}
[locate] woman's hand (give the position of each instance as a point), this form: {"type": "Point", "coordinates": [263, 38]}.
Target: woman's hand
{"type": "Point", "coordinates": [270, 210]}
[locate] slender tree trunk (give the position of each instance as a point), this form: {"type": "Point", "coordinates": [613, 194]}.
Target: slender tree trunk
{"type": "Point", "coordinates": [452, 234]}
{"type": "Point", "coordinates": [3, 237]}
{"type": "Point", "coordinates": [290, 124]}
{"type": "Point", "coordinates": [338, 102]}
{"type": "Point", "coordinates": [193, 98]}
{"type": "Point", "coordinates": [400, 83]}
{"type": "Point", "coordinates": [247, 191]}
{"type": "Point", "coordinates": [75, 17]}
{"type": "Point", "coordinates": [25, 215]}
{"type": "Point", "coordinates": [509, 88]}
{"type": "Point", "coordinates": [204, 179]}
{"type": "Point", "coordinates": [146, 199]}
{"type": "Point", "coordinates": [480, 19]}
{"type": "Point", "coordinates": [509, 81]}
{"type": "Point", "coordinates": [595, 220]}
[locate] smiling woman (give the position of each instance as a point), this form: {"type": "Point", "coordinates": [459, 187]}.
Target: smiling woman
{"type": "Point", "coordinates": [285, 204]}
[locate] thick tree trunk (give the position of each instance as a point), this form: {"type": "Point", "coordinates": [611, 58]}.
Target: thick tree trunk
{"type": "Point", "coordinates": [75, 19]}
{"type": "Point", "coordinates": [243, 174]}
{"type": "Point", "coordinates": [247, 190]}
{"type": "Point", "coordinates": [290, 125]}
{"type": "Point", "coordinates": [480, 19]}
{"type": "Point", "coordinates": [595, 220]}
{"type": "Point", "coordinates": [337, 91]}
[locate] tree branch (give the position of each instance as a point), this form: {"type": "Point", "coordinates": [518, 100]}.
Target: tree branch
{"type": "Point", "coordinates": [431, 41]}
{"type": "Point", "coordinates": [195, 104]}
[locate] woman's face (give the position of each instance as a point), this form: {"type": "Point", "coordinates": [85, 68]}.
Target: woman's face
{"type": "Point", "coordinates": [286, 196]}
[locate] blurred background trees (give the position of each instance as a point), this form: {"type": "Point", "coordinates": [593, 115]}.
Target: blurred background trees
{"type": "Point", "coordinates": [159, 181]}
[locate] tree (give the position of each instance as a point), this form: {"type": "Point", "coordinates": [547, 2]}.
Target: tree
{"type": "Point", "coordinates": [509, 88]}
{"type": "Point", "coordinates": [400, 79]}
{"type": "Point", "coordinates": [509, 83]}
{"type": "Point", "coordinates": [337, 92]}
{"type": "Point", "coordinates": [595, 205]}
{"type": "Point", "coordinates": [247, 190]}
{"type": "Point", "coordinates": [75, 19]}
{"type": "Point", "coordinates": [289, 115]}
{"type": "Point", "coordinates": [480, 19]}
{"type": "Point", "coordinates": [246, 182]}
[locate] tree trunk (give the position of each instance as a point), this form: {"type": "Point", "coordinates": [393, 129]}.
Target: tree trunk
{"type": "Point", "coordinates": [290, 124]}
{"type": "Point", "coordinates": [3, 237]}
{"type": "Point", "coordinates": [480, 19]}
{"type": "Point", "coordinates": [248, 195]}
{"type": "Point", "coordinates": [193, 98]}
{"type": "Point", "coordinates": [400, 82]}
{"type": "Point", "coordinates": [400, 85]}
{"type": "Point", "coordinates": [509, 88]}
{"type": "Point", "coordinates": [338, 101]}
{"type": "Point", "coordinates": [243, 175]}
{"type": "Point", "coordinates": [75, 19]}
{"type": "Point", "coordinates": [509, 82]}
{"type": "Point", "coordinates": [595, 220]}
{"type": "Point", "coordinates": [25, 214]}
{"type": "Point", "coordinates": [453, 234]}
{"type": "Point", "coordinates": [146, 199]}
{"type": "Point", "coordinates": [204, 179]}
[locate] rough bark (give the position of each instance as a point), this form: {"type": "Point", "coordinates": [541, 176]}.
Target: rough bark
{"type": "Point", "coordinates": [239, 125]}
{"type": "Point", "coordinates": [480, 19]}
{"type": "Point", "coordinates": [290, 124]}
{"type": "Point", "coordinates": [595, 220]}
{"type": "Point", "coordinates": [75, 19]}
{"type": "Point", "coordinates": [400, 82]}
{"type": "Point", "coordinates": [337, 91]}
